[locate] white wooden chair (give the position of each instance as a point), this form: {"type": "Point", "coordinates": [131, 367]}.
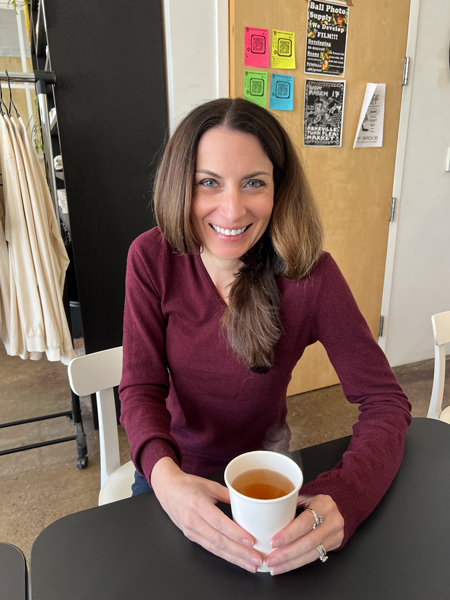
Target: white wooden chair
{"type": "Point", "coordinates": [99, 373]}
{"type": "Point", "coordinates": [441, 331]}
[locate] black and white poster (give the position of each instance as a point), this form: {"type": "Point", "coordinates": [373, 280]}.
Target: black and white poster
{"type": "Point", "coordinates": [326, 39]}
{"type": "Point", "coordinates": [323, 113]}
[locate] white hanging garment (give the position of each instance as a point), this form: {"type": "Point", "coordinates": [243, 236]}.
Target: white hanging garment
{"type": "Point", "coordinates": [57, 243]}
{"type": "Point", "coordinates": [4, 278]}
{"type": "Point", "coordinates": [36, 258]}
{"type": "Point", "coordinates": [17, 342]}
{"type": "Point", "coordinates": [50, 266]}
{"type": "Point", "coordinates": [21, 264]}
{"type": "Point", "coordinates": [52, 334]}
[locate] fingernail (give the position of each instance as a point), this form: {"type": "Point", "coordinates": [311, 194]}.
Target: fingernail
{"type": "Point", "coordinates": [247, 543]}
{"type": "Point", "coordinates": [256, 561]}
{"type": "Point", "coordinates": [276, 543]}
{"type": "Point", "coordinates": [272, 572]}
{"type": "Point", "coordinates": [250, 568]}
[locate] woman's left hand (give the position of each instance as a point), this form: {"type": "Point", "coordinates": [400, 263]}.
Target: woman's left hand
{"type": "Point", "coordinates": [296, 544]}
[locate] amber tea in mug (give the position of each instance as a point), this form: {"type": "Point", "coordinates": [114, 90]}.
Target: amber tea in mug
{"type": "Point", "coordinates": [275, 480]}
{"type": "Point", "coordinates": [263, 484]}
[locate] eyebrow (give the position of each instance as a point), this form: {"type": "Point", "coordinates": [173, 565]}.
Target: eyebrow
{"type": "Point", "coordinates": [249, 176]}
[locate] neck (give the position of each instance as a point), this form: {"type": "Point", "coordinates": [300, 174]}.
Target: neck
{"type": "Point", "coordinates": [222, 273]}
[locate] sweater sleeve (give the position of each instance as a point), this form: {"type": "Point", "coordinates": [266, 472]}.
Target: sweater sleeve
{"type": "Point", "coordinates": [371, 462]}
{"type": "Point", "coordinates": [145, 380]}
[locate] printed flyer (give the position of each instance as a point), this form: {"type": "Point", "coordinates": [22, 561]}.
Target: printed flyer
{"type": "Point", "coordinates": [369, 133]}
{"type": "Point", "coordinates": [324, 112]}
{"type": "Point", "coordinates": [256, 47]}
{"type": "Point", "coordinates": [326, 39]}
{"type": "Point", "coordinates": [281, 92]}
{"type": "Point", "coordinates": [283, 50]}
{"type": "Point", "coordinates": [255, 87]}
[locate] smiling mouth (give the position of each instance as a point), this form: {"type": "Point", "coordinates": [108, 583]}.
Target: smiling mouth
{"type": "Point", "coordinates": [229, 232]}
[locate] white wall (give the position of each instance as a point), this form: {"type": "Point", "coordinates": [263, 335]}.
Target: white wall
{"type": "Point", "coordinates": [421, 268]}
{"type": "Point", "coordinates": [196, 33]}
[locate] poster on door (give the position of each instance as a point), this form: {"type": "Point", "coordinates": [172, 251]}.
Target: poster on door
{"type": "Point", "coordinates": [255, 87]}
{"type": "Point", "coordinates": [256, 47]}
{"type": "Point", "coordinates": [323, 112]}
{"type": "Point", "coordinates": [326, 39]}
{"type": "Point", "coordinates": [281, 92]}
{"type": "Point", "coordinates": [369, 133]}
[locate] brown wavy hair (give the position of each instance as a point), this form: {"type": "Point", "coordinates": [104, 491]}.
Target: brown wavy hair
{"type": "Point", "coordinates": [291, 245]}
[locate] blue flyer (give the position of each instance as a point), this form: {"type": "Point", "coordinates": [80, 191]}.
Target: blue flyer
{"type": "Point", "coordinates": [281, 92]}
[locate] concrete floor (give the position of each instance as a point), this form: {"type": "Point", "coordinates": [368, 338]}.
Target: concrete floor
{"type": "Point", "coordinates": [42, 485]}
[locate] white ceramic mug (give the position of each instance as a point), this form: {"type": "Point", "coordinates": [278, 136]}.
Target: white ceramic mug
{"type": "Point", "coordinates": [263, 518]}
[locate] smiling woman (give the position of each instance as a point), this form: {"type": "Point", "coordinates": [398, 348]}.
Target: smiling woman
{"type": "Point", "coordinates": [221, 301]}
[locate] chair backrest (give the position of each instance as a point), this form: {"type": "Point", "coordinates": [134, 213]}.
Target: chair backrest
{"type": "Point", "coordinates": [98, 373]}
{"type": "Point", "coordinates": [441, 331]}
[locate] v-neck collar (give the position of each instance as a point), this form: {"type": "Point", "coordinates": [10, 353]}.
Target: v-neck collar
{"type": "Point", "coordinates": [203, 269]}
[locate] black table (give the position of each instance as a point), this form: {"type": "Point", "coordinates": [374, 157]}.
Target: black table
{"type": "Point", "coordinates": [130, 549]}
{"type": "Point", "coordinates": [13, 573]}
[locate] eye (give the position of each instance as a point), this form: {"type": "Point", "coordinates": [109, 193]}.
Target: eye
{"type": "Point", "coordinates": [208, 183]}
{"type": "Point", "coordinates": [255, 183]}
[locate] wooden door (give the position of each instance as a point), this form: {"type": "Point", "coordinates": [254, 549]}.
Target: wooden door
{"type": "Point", "coordinates": [353, 187]}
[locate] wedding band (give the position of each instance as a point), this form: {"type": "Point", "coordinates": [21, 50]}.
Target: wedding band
{"type": "Point", "coordinates": [322, 553]}
{"type": "Point", "coordinates": [318, 520]}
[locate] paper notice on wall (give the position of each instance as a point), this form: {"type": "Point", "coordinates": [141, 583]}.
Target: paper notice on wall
{"type": "Point", "coordinates": [369, 133]}
{"type": "Point", "coordinates": [255, 87]}
{"type": "Point", "coordinates": [326, 39]}
{"type": "Point", "coordinates": [256, 47]}
{"type": "Point", "coordinates": [281, 92]}
{"type": "Point", "coordinates": [283, 50]}
{"type": "Point", "coordinates": [323, 112]}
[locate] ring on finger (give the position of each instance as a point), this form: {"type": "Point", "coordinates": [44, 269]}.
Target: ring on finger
{"type": "Point", "coordinates": [322, 553]}
{"type": "Point", "coordinates": [318, 520]}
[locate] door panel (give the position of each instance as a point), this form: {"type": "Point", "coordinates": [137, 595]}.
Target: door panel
{"type": "Point", "coordinates": [353, 187]}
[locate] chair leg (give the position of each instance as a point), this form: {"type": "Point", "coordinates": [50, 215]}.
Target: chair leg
{"type": "Point", "coordinates": [83, 460]}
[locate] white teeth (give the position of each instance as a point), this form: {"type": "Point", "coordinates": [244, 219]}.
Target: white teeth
{"type": "Point", "coordinates": [228, 231]}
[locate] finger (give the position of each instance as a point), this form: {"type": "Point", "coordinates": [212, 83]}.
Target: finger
{"type": "Point", "coordinates": [221, 545]}
{"type": "Point", "coordinates": [304, 499]}
{"type": "Point", "coordinates": [299, 527]}
{"type": "Point", "coordinates": [292, 544]}
{"type": "Point", "coordinates": [220, 523]}
{"type": "Point", "coordinates": [220, 492]}
{"type": "Point", "coordinates": [250, 565]}
{"type": "Point", "coordinates": [295, 563]}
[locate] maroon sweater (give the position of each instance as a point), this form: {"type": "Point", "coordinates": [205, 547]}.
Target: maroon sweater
{"type": "Point", "coordinates": [185, 395]}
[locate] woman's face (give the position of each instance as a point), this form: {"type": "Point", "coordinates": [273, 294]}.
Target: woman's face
{"type": "Point", "coordinates": [233, 194]}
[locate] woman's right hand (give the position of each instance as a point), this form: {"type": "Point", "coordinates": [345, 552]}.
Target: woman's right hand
{"type": "Point", "coordinates": [190, 502]}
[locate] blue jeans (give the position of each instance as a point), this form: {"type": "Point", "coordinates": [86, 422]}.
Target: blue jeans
{"type": "Point", "coordinates": [140, 485]}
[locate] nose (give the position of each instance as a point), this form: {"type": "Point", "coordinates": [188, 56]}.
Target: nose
{"type": "Point", "coordinates": [232, 206]}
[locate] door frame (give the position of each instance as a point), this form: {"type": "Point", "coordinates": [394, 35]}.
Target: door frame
{"type": "Point", "coordinates": [194, 75]}
{"type": "Point", "coordinates": [405, 108]}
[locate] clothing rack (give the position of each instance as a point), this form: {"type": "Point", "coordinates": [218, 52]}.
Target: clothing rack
{"type": "Point", "coordinates": [41, 79]}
